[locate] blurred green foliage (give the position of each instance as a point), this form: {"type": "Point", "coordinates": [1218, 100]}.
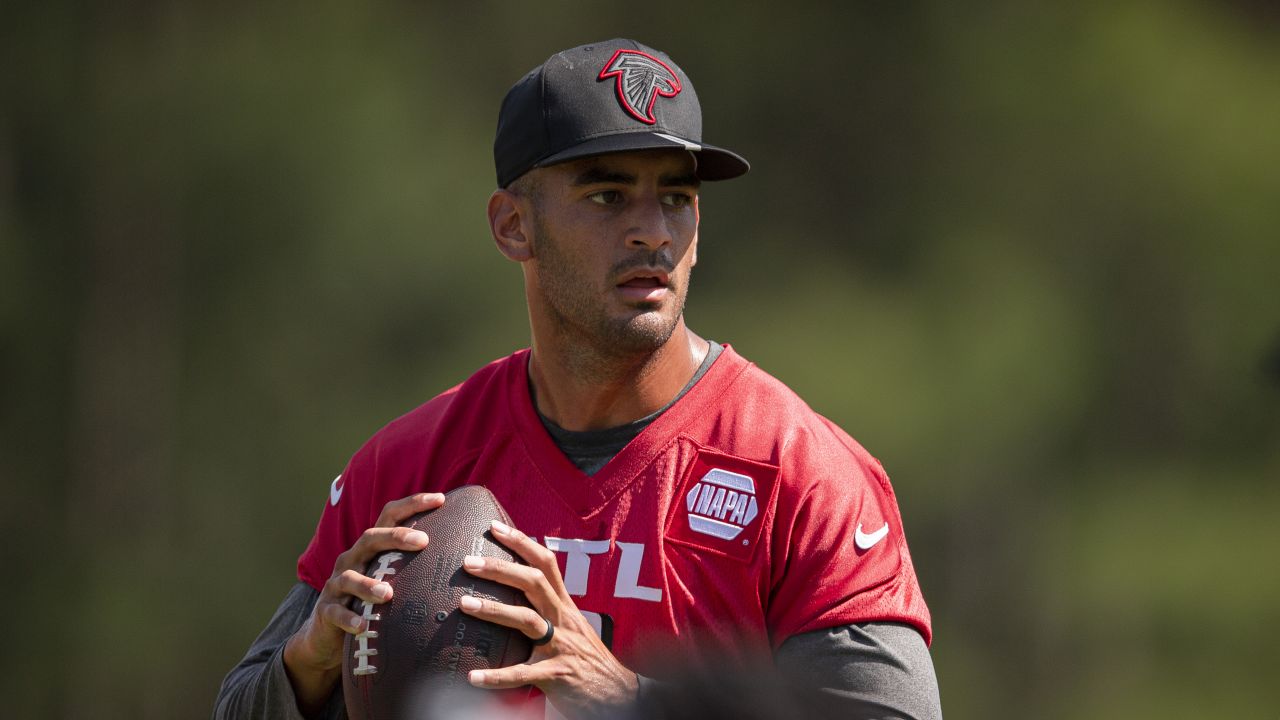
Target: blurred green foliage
{"type": "Point", "coordinates": [1028, 255]}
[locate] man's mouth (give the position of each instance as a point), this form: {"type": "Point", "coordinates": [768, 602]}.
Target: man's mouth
{"type": "Point", "coordinates": [644, 282]}
{"type": "Point", "coordinates": [644, 285]}
{"type": "Point", "coordinates": [645, 278]}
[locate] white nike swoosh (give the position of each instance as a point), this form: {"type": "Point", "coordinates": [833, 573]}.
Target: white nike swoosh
{"type": "Point", "coordinates": [865, 541]}
{"type": "Point", "coordinates": [335, 491]}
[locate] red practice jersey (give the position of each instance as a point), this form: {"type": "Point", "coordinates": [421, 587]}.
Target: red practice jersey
{"type": "Point", "coordinates": [738, 518]}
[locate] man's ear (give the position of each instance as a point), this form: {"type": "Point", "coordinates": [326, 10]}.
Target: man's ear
{"type": "Point", "coordinates": [507, 215]}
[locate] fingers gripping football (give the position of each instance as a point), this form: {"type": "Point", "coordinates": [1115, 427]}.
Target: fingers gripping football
{"type": "Point", "coordinates": [524, 619]}
{"type": "Point", "coordinates": [579, 675]}
{"type": "Point", "coordinates": [397, 511]}
{"type": "Point", "coordinates": [348, 580]}
{"type": "Point", "coordinates": [319, 642]}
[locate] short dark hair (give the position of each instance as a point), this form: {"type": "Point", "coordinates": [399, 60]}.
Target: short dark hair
{"type": "Point", "coordinates": [528, 186]}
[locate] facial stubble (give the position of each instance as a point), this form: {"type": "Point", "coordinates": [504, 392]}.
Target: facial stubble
{"type": "Point", "coordinates": [580, 314]}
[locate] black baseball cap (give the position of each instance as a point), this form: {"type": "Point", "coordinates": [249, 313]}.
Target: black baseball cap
{"type": "Point", "coordinates": [605, 97]}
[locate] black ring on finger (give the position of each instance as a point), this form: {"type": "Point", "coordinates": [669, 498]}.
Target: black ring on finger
{"type": "Point", "coordinates": [546, 637]}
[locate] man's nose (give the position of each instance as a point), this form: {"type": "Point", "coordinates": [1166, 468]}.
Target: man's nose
{"type": "Point", "coordinates": [650, 228]}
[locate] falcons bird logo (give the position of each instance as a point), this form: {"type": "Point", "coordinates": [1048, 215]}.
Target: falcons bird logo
{"type": "Point", "coordinates": [641, 79]}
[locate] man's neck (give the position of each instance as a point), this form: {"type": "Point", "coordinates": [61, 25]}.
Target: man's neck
{"type": "Point", "coordinates": [618, 389]}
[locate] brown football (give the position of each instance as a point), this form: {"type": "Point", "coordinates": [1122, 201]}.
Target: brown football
{"type": "Point", "coordinates": [418, 648]}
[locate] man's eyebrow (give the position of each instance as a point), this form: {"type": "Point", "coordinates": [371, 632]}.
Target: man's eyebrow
{"type": "Point", "coordinates": [681, 180]}
{"type": "Point", "coordinates": [597, 175]}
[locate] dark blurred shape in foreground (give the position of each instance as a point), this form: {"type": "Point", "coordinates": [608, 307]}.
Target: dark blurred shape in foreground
{"type": "Point", "coordinates": [737, 694]}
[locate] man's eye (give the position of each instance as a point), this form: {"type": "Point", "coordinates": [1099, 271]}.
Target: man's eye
{"type": "Point", "coordinates": [605, 197]}
{"type": "Point", "coordinates": [678, 200]}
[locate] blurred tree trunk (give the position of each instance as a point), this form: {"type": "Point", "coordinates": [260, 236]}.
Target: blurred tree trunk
{"type": "Point", "coordinates": [127, 362]}
{"type": "Point", "coordinates": [127, 345]}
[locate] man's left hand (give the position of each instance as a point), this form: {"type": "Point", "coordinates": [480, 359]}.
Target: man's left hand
{"type": "Point", "coordinates": [574, 670]}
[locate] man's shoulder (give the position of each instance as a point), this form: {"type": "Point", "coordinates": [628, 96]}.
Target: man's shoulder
{"type": "Point", "coordinates": [422, 450]}
{"type": "Point", "coordinates": [767, 402]}
{"type": "Point", "coordinates": [464, 407]}
{"type": "Point", "coordinates": [768, 410]}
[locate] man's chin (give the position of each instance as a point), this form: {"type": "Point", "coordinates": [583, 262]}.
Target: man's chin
{"type": "Point", "coordinates": [643, 332]}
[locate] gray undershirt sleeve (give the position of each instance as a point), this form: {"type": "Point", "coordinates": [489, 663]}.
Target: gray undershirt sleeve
{"type": "Point", "coordinates": [874, 670]}
{"type": "Point", "coordinates": [869, 670]}
{"type": "Point", "coordinates": [258, 686]}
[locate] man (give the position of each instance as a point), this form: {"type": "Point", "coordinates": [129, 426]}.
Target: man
{"type": "Point", "coordinates": [668, 495]}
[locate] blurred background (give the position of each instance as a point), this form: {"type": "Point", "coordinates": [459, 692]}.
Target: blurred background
{"type": "Point", "coordinates": [1028, 254]}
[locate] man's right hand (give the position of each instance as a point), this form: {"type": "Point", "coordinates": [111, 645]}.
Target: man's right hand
{"type": "Point", "coordinates": [313, 656]}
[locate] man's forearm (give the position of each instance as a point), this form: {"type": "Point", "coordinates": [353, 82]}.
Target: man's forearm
{"type": "Point", "coordinates": [259, 686]}
{"type": "Point", "coordinates": [312, 687]}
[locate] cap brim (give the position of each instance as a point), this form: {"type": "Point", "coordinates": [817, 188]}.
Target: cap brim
{"type": "Point", "coordinates": [714, 163]}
